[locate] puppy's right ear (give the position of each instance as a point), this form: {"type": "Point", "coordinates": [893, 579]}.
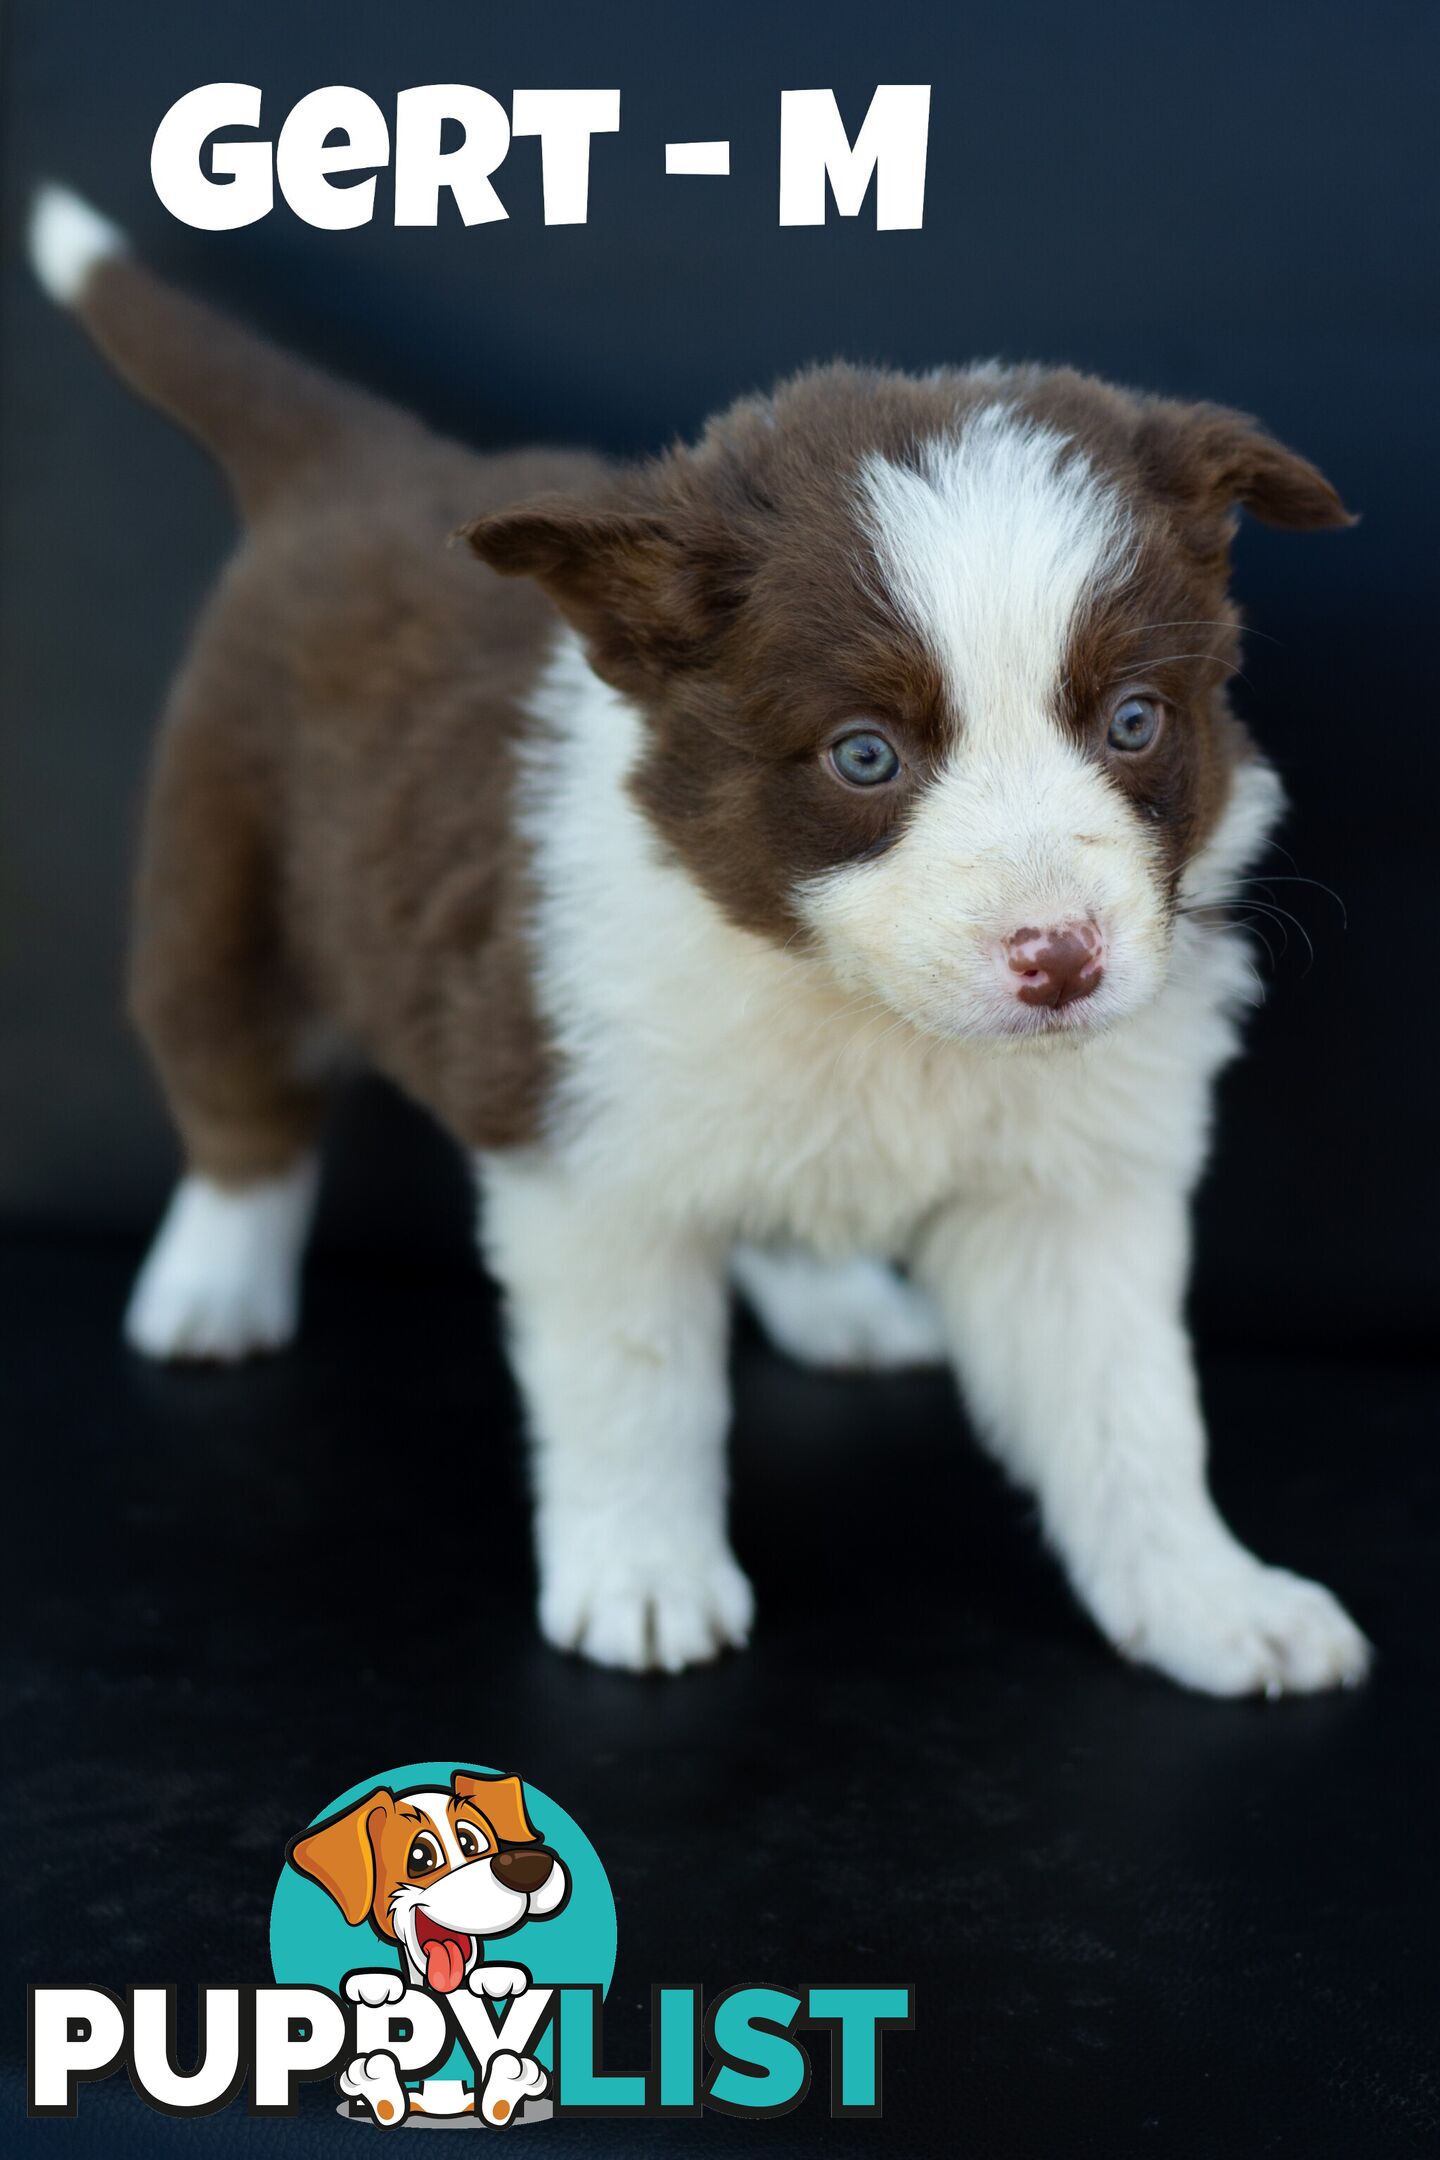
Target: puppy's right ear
{"type": "Point", "coordinates": [578, 553]}
{"type": "Point", "coordinates": [340, 1854]}
{"type": "Point", "coordinates": [501, 1800]}
{"type": "Point", "coordinates": [1209, 459]}
{"type": "Point", "coordinates": [647, 599]}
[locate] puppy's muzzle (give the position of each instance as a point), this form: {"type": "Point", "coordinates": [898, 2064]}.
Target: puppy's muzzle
{"type": "Point", "coordinates": [522, 1868]}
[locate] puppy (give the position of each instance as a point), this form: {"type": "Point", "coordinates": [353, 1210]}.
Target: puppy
{"type": "Point", "coordinates": [438, 1873]}
{"type": "Point", "coordinates": [799, 858]}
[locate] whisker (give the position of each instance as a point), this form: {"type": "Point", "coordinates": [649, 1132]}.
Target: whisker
{"type": "Point", "coordinates": [1318, 883]}
{"type": "Point", "coordinates": [1255, 977]}
{"type": "Point", "coordinates": [1200, 622]}
{"type": "Point", "coordinates": [1199, 914]}
{"type": "Point", "coordinates": [1255, 931]}
{"type": "Point", "coordinates": [1215, 659]}
{"type": "Point", "coordinates": [1282, 916]}
{"type": "Point", "coordinates": [1236, 906]}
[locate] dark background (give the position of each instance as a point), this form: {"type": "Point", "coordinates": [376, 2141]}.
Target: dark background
{"type": "Point", "coordinates": [1138, 1921]}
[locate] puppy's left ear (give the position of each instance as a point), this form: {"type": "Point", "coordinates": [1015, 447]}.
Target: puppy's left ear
{"type": "Point", "coordinates": [340, 1854]}
{"type": "Point", "coordinates": [647, 599]}
{"type": "Point", "coordinates": [1209, 459]}
{"type": "Point", "coordinates": [501, 1800]}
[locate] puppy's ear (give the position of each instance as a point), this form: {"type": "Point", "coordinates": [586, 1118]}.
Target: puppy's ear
{"type": "Point", "coordinates": [648, 598]}
{"type": "Point", "coordinates": [501, 1800]}
{"type": "Point", "coordinates": [1209, 460]}
{"type": "Point", "coordinates": [340, 1854]}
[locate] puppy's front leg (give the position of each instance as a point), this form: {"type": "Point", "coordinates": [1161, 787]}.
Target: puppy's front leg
{"type": "Point", "coordinates": [1065, 1322]}
{"type": "Point", "coordinates": [618, 1329]}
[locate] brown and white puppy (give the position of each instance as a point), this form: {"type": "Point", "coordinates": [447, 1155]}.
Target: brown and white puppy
{"type": "Point", "coordinates": [816, 861]}
{"type": "Point", "coordinates": [438, 1873]}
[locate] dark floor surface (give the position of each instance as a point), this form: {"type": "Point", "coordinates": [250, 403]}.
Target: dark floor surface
{"type": "Point", "coordinates": [1138, 1922]}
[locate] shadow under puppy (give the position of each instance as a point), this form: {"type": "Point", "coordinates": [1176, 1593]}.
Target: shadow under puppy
{"type": "Point", "coordinates": [815, 862]}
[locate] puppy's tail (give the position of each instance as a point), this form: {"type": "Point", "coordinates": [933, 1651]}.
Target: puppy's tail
{"type": "Point", "coordinates": [270, 422]}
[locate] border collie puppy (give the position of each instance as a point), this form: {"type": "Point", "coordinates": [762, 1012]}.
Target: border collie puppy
{"type": "Point", "coordinates": [798, 861]}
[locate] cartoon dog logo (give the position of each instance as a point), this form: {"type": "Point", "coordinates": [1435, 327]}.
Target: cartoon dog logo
{"type": "Point", "coordinates": [438, 1874]}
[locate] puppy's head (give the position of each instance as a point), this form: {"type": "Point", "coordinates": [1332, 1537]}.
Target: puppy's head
{"type": "Point", "coordinates": [437, 1872]}
{"type": "Point", "coordinates": [934, 673]}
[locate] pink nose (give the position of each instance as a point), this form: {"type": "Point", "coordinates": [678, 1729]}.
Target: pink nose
{"type": "Point", "coordinates": [1058, 965]}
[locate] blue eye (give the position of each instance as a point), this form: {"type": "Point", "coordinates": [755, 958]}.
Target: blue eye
{"type": "Point", "coordinates": [1134, 724]}
{"type": "Point", "coordinates": [865, 759]}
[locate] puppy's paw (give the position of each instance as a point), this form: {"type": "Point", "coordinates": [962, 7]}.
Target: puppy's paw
{"type": "Point", "coordinates": [499, 1982]}
{"type": "Point", "coordinates": [222, 1280]}
{"type": "Point", "coordinates": [659, 1613]}
{"type": "Point", "coordinates": [1235, 1627]}
{"type": "Point", "coordinates": [374, 1989]}
{"type": "Point", "coordinates": [844, 1316]}
{"type": "Point", "coordinates": [375, 2079]}
{"type": "Point", "coordinates": [510, 2080]}
{"type": "Point", "coordinates": [180, 1315]}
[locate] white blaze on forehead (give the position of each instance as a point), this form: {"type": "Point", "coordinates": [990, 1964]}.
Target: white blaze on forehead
{"type": "Point", "coordinates": [436, 1806]}
{"type": "Point", "coordinates": [990, 546]}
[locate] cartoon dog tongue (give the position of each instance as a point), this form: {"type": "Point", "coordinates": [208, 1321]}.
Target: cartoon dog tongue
{"type": "Point", "coordinates": [444, 1963]}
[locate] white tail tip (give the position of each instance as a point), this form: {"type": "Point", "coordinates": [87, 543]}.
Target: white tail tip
{"type": "Point", "coordinates": [67, 240]}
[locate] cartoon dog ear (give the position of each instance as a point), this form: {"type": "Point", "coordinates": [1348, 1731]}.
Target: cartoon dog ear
{"type": "Point", "coordinates": [340, 1854]}
{"type": "Point", "coordinates": [1209, 459]}
{"type": "Point", "coordinates": [501, 1800]}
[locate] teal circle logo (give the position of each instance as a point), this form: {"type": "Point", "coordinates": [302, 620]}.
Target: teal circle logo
{"type": "Point", "coordinates": [444, 1872]}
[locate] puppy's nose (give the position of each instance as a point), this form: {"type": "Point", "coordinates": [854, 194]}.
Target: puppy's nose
{"type": "Point", "coordinates": [1058, 965]}
{"type": "Point", "coordinates": [522, 1868]}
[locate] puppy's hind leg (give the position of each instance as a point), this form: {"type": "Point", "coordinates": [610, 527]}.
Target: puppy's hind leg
{"type": "Point", "coordinates": [222, 1279]}
{"type": "Point", "coordinates": [510, 2081]}
{"type": "Point", "coordinates": [848, 1315]}
{"type": "Point", "coordinates": [374, 2081]}
{"type": "Point", "coordinates": [212, 998]}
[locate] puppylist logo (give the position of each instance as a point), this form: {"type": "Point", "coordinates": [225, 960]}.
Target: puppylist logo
{"type": "Point", "coordinates": [442, 1939]}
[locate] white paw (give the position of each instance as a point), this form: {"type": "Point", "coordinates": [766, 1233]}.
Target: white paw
{"type": "Point", "coordinates": [662, 1612]}
{"type": "Point", "coordinates": [374, 1989]}
{"type": "Point", "coordinates": [1231, 1626]}
{"type": "Point", "coordinates": [375, 2079]}
{"type": "Point", "coordinates": [222, 1279]}
{"type": "Point", "coordinates": [847, 1315]}
{"type": "Point", "coordinates": [511, 2079]}
{"type": "Point", "coordinates": [499, 1981]}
